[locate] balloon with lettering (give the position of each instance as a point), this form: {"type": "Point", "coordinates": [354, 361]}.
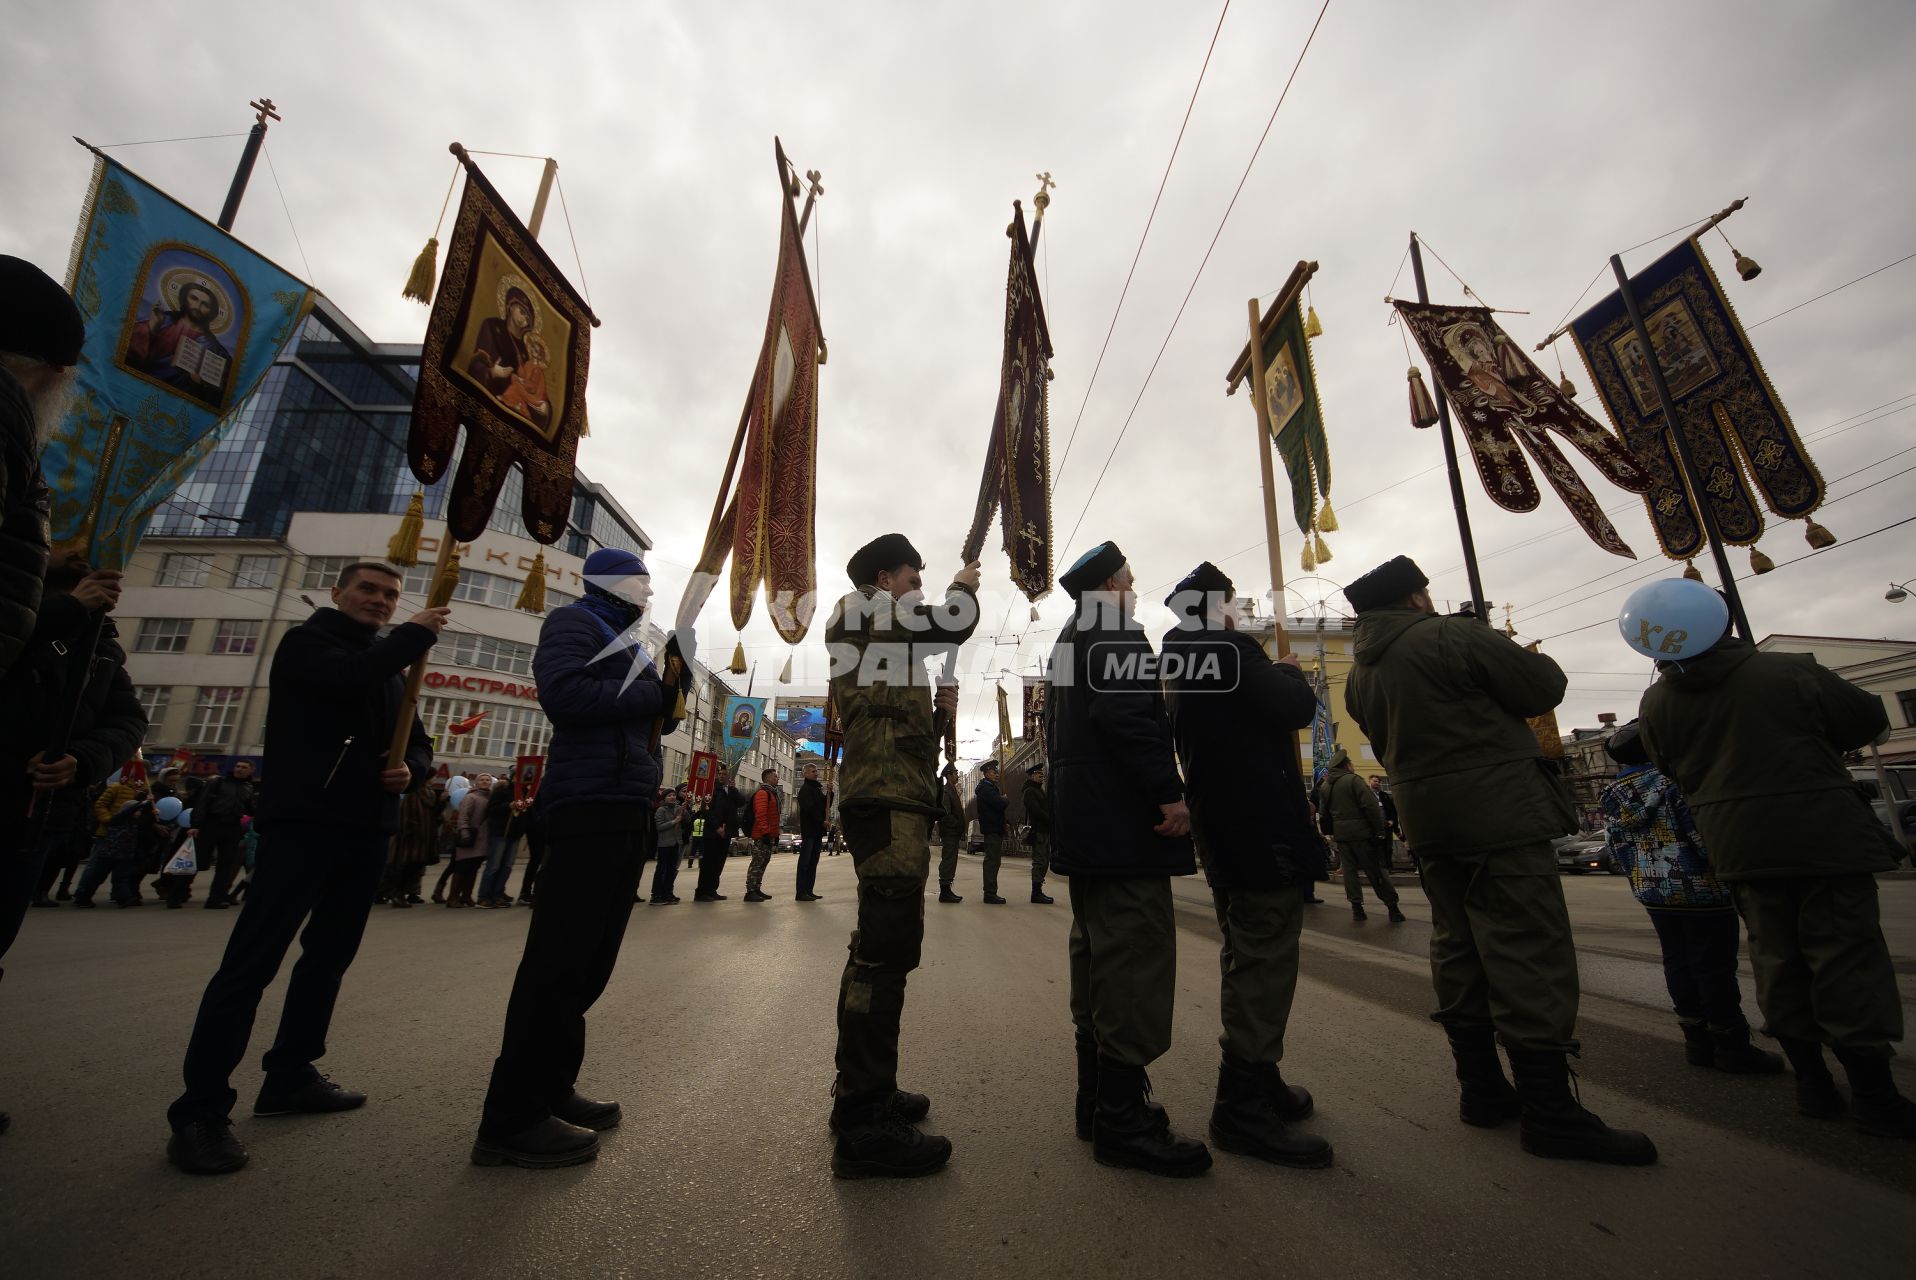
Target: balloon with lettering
{"type": "Point", "coordinates": [1673, 620]}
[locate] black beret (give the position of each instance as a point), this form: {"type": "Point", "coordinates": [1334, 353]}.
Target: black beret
{"type": "Point", "coordinates": [881, 554]}
{"type": "Point", "coordinates": [1205, 580]}
{"type": "Point", "coordinates": [1092, 568]}
{"type": "Point", "coordinates": [1386, 585]}
{"type": "Point", "coordinates": [1625, 746]}
{"type": "Point", "coordinates": [37, 317]}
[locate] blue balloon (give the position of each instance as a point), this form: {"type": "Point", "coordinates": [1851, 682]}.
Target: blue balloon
{"type": "Point", "coordinates": [185, 819]}
{"type": "Point", "coordinates": [167, 808]}
{"type": "Point", "coordinates": [1673, 620]}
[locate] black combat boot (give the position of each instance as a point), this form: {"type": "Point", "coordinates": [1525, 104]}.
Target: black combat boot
{"type": "Point", "coordinates": [1293, 1102]}
{"type": "Point", "coordinates": [1357, 911]}
{"type": "Point", "coordinates": [1486, 1100]}
{"type": "Point", "coordinates": [1731, 1050]}
{"type": "Point", "coordinates": [1245, 1118]}
{"type": "Point", "coordinates": [1875, 1106]}
{"type": "Point", "coordinates": [1699, 1049]}
{"type": "Point", "coordinates": [875, 1141]}
{"type": "Point", "coordinates": [1816, 1094]}
{"type": "Point", "coordinates": [1087, 1109]}
{"type": "Point", "coordinates": [1555, 1124]}
{"type": "Point", "coordinates": [1128, 1135]}
{"type": "Point", "coordinates": [946, 895]}
{"type": "Point", "coordinates": [1038, 895]}
{"type": "Point", "coordinates": [1396, 916]}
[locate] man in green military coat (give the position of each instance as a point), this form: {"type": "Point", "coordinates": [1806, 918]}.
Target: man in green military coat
{"type": "Point", "coordinates": [1445, 702]}
{"type": "Point", "coordinates": [1363, 840]}
{"type": "Point", "coordinates": [951, 834]}
{"type": "Point", "coordinates": [1038, 818]}
{"type": "Point", "coordinates": [880, 637]}
{"type": "Point", "coordinates": [1756, 743]}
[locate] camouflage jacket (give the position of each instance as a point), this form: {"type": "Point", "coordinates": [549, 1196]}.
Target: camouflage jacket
{"type": "Point", "coordinates": [882, 691]}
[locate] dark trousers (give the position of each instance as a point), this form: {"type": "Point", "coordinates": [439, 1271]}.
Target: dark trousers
{"type": "Point", "coordinates": [63, 858]}
{"type": "Point", "coordinates": [712, 853]}
{"type": "Point", "coordinates": [665, 876]}
{"type": "Point", "coordinates": [1123, 950]}
{"type": "Point", "coordinates": [218, 848]}
{"type": "Point", "coordinates": [1823, 971]}
{"type": "Point", "coordinates": [810, 841]}
{"type": "Point", "coordinates": [20, 859]}
{"type": "Point", "coordinates": [535, 857]}
{"type": "Point", "coordinates": [585, 901]}
{"type": "Point", "coordinates": [1699, 964]}
{"type": "Point", "coordinates": [323, 878]}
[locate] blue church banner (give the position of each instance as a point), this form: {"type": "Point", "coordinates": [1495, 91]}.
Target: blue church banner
{"type": "Point", "coordinates": [182, 323]}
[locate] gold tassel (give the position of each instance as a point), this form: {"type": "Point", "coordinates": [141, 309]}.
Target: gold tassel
{"type": "Point", "coordinates": [1326, 518]}
{"type": "Point", "coordinates": [1691, 572]}
{"type": "Point", "coordinates": [785, 672]}
{"type": "Point", "coordinates": [532, 596]}
{"type": "Point", "coordinates": [1509, 359]}
{"type": "Point", "coordinates": [1568, 388]}
{"type": "Point", "coordinates": [1323, 551]}
{"type": "Point", "coordinates": [403, 549]}
{"type": "Point", "coordinates": [738, 659]}
{"type": "Point", "coordinates": [1817, 536]}
{"type": "Point", "coordinates": [1034, 613]}
{"type": "Point", "coordinates": [1308, 560]}
{"type": "Point", "coordinates": [1760, 563]}
{"type": "Point", "coordinates": [1423, 410]}
{"type": "Point", "coordinates": [1312, 329]}
{"type": "Point", "coordinates": [424, 268]}
{"type": "Point", "coordinates": [442, 589]}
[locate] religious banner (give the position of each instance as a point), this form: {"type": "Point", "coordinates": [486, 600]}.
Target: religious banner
{"type": "Point", "coordinates": [767, 527]}
{"type": "Point", "coordinates": [704, 774]}
{"type": "Point", "coordinates": [1017, 476]}
{"type": "Point", "coordinates": [1505, 404]}
{"type": "Point", "coordinates": [527, 771]}
{"type": "Point", "coordinates": [505, 356]}
{"type": "Point", "coordinates": [1297, 426]}
{"type": "Point", "coordinates": [1323, 746]}
{"type": "Point", "coordinates": [1739, 433]}
{"type": "Point", "coordinates": [1034, 712]}
{"type": "Point", "coordinates": [1004, 720]}
{"type": "Point", "coordinates": [740, 726]}
{"type": "Point", "coordinates": [183, 320]}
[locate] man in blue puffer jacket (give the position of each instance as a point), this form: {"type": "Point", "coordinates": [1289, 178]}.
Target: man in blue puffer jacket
{"type": "Point", "coordinates": [602, 694]}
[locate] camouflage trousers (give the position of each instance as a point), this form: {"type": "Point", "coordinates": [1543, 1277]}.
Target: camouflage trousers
{"type": "Point", "coordinates": [891, 854]}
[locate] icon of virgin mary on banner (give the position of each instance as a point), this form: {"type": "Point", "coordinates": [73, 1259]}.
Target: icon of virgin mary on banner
{"type": "Point", "coordinates": [506, 355]}
{"type": "Point", "coordinates": [1505, 405]}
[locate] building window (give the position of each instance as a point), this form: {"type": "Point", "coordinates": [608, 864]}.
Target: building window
{"type": "Point", "coordinates": [322, 572]}
{"type": "Point", "coordinates": [154, 700]}
{"type": "Point", "coordinates": [1908, 699]}
{"type": "Point", "coordinates": [236, 635]}
{"type": "Point", "coordinates": [163, 635]}
{"type": "Point", "coordinates": [257, 572]}
{"type": "Point", "coordinates": [215, 715]}
{"type": "Point", "coordinates": [183, 570]}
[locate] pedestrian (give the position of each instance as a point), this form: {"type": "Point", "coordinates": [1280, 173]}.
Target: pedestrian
{"type": "Point", "coordinates": [469, 841]}
{"type": "Point", "coordinates": [1653, 838]}
{"type": "Point", "coordinates": [41, 332]}
{"type": "Point", "coordinates": [603, 696]}
{"type": "Point", "coordinates": [1362, 835]}
{"type": "Point", "coordinates": [880, 636]}
{"type": "Point", "coordinates": [122, 852]}
{"type": "Point", "coordinates": [1445, 702]}
{"type": "Point", "coordinates": [813, 805]}
{"type": "Point", "coordinates": [69, 676]}
{"type": "Point", "coordinates": [1121, 830]}
{"type": "Point", "coordinates": [1038, 825]}
{"type": "Point", "coordinates": [179, 861]}
{"type": "Point", "coordinates": [991, 805]}
{"type": "Point", "coordinates": [535, 828]}
{"type": "Point", "coordinates": [1235, 716]}
{"type": "Point", "coordinates": [766, 808]}
{"type": "Point", "coordinates": [951, 833]}
{"type": "Point", "coordinates": [723, 810]}
{"type": "Point", "coordinates": [416, 845]}
{"type": "Point", "coordinates": [223, 802]}
{"type": "Point", "coordinates": [1756, 743]}
{"type": "Point", "coordinates": [502, 842]}
{"type": "Point", "coordinates": [327, 808]}
{"type": "Point", "coordinates": [667, 825]}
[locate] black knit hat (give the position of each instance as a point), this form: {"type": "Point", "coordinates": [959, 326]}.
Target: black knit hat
{"type": "Point", "coordinates": [880, 554]}
{"type": "Point", "coordinates": [1386, 585]}
{"type": "Point", "coordinates": [37, 317]}
{"type": "Point", "coordinates": [1092, 568]}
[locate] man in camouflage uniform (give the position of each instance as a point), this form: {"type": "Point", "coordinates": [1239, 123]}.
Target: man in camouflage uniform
{"type": "Point", "coordinates": [880, 637]}
{"type": "Point", "coordinates": [1038, 816]}
{"type": "Point", "coordinates": [1363, 837]}
{"type": "Point", "coordinates": [951, 834]}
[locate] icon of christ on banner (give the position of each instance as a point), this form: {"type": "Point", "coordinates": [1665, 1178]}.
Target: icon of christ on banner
{"type": "Point", "coordinates": [187, 308]}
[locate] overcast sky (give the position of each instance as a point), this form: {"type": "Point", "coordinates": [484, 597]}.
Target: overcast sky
{"type": "Point", "coordinates": [1525, 141]}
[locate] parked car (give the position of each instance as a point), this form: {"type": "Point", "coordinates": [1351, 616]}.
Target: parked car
{"type": "Point", "coordinates": [1580, 854]}
{"type": "Point", "coordinates": [1902, 795]}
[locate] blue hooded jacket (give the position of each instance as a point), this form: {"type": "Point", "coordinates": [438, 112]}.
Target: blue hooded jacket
{"type": "Point", "coordinates": [602, 715]}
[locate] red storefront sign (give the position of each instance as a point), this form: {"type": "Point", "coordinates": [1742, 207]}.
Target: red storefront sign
{"type": "Point", "coordinates": [481, 684]}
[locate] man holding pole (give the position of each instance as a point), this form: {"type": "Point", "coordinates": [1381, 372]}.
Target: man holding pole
{"type": "Point", "coordinates": [328, 808]}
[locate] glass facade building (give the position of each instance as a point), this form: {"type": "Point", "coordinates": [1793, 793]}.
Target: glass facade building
{"type": "Point", "coordinates": [326, 431]}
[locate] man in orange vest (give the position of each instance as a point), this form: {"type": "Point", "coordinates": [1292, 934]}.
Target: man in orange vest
{"type": "Point", "coordinates": [765, 811]}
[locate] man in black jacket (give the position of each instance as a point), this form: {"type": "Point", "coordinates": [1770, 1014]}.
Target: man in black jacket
{"type": "Point", "coordinates": [329, 807]}
{"type": "Point", "coordinates": [1235, 715]}
{"type": "Point", "coordinates": [813, 804]}
{"type": "Point", "coordinates": [223, 801]}
{"type": "Point", "coordinates": [1038, 818]}
{"type": "Point", "coordinates": [1121, 831]}
{"type": "Point", "coordinates": [991, 825]}
{"type": "Point", "coordinates": [722, 814]}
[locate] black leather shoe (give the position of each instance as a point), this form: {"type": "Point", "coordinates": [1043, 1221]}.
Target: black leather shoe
{"type": "Point", "coordinates": [708, 897]}
{"type": "Point", "coordinates": [587, 1114]}
{"type": "Point", "coordinates": [909, 1107]}
{"type": "Point", "coordinates": [876, 1142]}
{"type": "Point", "coordinates": [1396, 916]}
{"type": "Point", "coordinates": [206, 1146]}
{"type": "Point", "coordinates": [316, 1096]}
{"type": "Point", "coordinates": [995, 899]}
{"type": "Point", "coordinates": [550, 1144]}
{"type": "Point", "coordinates": [1126, 1133]}
{"type": "Point", "coordinates": [216, 904]}
{"type": "Point", "coordinates": [810, 897]}
{"type": "Point", "coordinates": [944, 895]}
{"type": "Point", "coordinates": [1041, 898]}
{"type": "Point", "coordinates": [1357, 913]}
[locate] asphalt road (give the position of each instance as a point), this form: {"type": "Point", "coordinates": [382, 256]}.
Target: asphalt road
{"type": "Point", "coordinates": [717, 1036]}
